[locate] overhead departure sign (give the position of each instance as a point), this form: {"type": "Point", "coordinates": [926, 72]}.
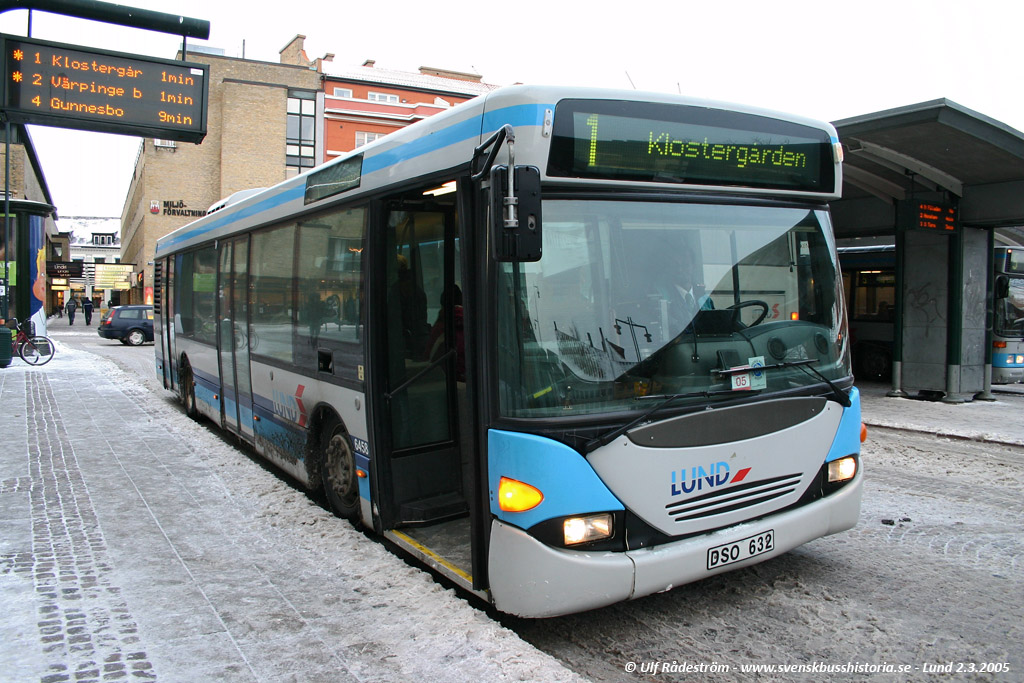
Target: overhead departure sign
{"type": "Point", "coordinates": [67, 86]}
{"type": "Point", "coordinates": [930, 216]}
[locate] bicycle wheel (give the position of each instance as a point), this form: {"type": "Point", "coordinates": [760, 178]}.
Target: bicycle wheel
{"type": "Point", "coordinates": [36, 350]}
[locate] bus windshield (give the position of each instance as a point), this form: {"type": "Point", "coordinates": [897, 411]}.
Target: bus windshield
{"type": "Point", "coordinates": [1010, 310]}
{"type": "Point", "coordinates": [639, 300]}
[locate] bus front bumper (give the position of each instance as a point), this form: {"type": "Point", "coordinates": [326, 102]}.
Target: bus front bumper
{"type": "Point", "coordinates": [531, 579]}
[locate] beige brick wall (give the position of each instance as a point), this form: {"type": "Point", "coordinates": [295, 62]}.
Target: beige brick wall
{"type": "Point", "coordinates": [244, 148]}
{"type": "Point", "coordinates": [249, 158]}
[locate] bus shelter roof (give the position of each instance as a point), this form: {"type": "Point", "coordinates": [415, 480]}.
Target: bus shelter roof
{"type": "Point", "coordinates": [933, 150]}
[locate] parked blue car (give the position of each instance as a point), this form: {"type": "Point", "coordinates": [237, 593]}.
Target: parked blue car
{"type": "Point", "coordinates": [128, 324]}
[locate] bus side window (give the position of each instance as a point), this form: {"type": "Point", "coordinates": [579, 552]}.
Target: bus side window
{"type": "Point", "coordinates": [329, 326]}
{"type": "Point", "coordinates": [271, 283]}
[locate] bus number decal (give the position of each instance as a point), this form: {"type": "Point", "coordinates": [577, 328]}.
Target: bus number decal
{"type": "Point", "coordinates": [360, 447]}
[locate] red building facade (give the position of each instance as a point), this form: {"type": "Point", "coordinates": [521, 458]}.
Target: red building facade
{"type": "Point", "coordinates": [366, 102]}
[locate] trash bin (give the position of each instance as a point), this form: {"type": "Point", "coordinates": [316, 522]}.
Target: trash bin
{"type": "Point", "coordinates": [6, 343]}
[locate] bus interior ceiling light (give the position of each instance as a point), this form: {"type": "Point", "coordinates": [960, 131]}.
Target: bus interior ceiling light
{"type": "Point", "coordinates": [447, 188]}
{"type": "Point", "coordinates": [842, 469]}
{"type": "Point", "coordinates": [517, 496]}
{"type": "Point", "coordinates": [577, 530]}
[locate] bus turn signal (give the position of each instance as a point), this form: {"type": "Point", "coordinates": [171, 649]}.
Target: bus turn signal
{"type": "Point", "coordinates": [515, 496]}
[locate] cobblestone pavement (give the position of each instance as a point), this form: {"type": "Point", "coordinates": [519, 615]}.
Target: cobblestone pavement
{"type": "Point", "coordinates": [86, 630]}
{"type": "Point", "coordinates": [137, 545]}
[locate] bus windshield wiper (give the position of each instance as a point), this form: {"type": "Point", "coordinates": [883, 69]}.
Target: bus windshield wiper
{"type": "Point", "coordinates": [619, 431]}
{"type": "Point", "coordinates": [805, 365]}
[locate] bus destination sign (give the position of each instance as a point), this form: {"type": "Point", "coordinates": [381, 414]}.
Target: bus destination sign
{"type": "Point", "coordinates": [65, 86]}
{"type": "Point", "coordinates": [688, 145]}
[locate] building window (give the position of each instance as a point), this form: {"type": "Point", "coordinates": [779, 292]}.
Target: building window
{"type": "Point", "coordinates": [382, 97]}
{"type": "Point", "coordinates": [343, 92]}
{"type": "Point", "coordinates": [300, 142]}
{"type": "Point", "coordinates": [362, 138]}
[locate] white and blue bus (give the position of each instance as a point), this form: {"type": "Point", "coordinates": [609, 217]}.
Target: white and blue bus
{"type": "Point", "coordinates": [567, 346]}
{"type": "Point", "coordinates": [1008, 318]}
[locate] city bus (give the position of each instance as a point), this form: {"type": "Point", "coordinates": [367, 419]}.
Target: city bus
{"type": "Point", "coordinates": [1008, 318]}
{"type": "Point", "coordinates": [567, 347]}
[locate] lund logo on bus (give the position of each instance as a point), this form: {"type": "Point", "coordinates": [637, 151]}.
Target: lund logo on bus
{"type": "Point", "coordinates": [697, 478]}
{"type": "Point", "coordinates": [291, 407]}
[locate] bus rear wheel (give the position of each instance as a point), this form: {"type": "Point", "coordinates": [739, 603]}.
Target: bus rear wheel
{"type": "Point", "coordinates": [187, 386]}
{"type": "Point", "coordinates": [339, 471]}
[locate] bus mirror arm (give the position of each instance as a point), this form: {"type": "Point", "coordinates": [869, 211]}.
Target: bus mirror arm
{"type": "Point", "coordinates": [515, 200]}
{"type": "Point", "coordinates": [493, 144]}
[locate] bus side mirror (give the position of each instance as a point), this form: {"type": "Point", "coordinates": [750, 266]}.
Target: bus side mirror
{"type": "Point", "coordinates": [1002, 287]}
{"type": "Point", "coordinates": [520, 240]}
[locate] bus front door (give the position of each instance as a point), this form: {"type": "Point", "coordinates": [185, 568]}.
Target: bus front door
{"type": "Point", "coordinates": [422, 478]}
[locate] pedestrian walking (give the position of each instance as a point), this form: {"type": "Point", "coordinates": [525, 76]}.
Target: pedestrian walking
{"type": "Point", "coordinates": [87, 309]}
{"type": "Point", "coordinates": [71, 308]}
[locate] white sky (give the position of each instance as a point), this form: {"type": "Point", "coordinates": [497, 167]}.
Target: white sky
{"type": "Point", "coordinates": [817, 58]}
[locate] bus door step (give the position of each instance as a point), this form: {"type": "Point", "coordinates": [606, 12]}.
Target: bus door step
{"type": "Point", "coordinates": [434, 509]}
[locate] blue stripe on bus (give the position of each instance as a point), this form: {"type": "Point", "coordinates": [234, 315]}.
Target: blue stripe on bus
{"type": "Point", "coordinates": [518, 115]}
{"type": "Point", "coordinates": [267, 204]}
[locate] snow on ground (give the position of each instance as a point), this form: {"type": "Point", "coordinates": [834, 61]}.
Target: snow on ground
{"type": "Point", "coordinates": [920, 579]}
{"type": "Point", "coordinates": [396, 608]}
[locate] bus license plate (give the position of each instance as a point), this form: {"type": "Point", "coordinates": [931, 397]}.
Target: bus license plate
{"type": "Point", "coordinates": [741, 550]}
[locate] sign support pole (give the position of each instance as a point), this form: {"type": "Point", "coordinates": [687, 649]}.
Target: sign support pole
{"type": "Point", "coordinates": [7, 205]}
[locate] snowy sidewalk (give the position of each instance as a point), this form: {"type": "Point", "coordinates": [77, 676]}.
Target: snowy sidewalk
{"type": "Point", "coordinates": [1000, 421]}
{"type": "Point", "coordinates": [136, 546]}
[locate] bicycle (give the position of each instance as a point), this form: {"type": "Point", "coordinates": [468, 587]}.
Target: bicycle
{"type": "Point", "coordinates": [34, 349]}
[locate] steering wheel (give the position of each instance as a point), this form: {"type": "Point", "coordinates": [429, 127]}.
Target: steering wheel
{"type": "Point", "coordinates": [753, 302]}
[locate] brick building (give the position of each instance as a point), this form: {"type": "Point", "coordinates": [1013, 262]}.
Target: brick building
{"type": "Point", "coordinates": [366, 102]}
{"type": "Point", "coordinates": [267, 122]}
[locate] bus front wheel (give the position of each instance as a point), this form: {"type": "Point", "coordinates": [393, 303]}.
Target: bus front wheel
{"type": "Point", "coordinates": [339, 471]}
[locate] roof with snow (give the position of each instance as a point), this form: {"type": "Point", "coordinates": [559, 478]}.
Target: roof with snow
{"type": "Point", "coordinates": [83, 227]}
{"type": "Point", "coordinates": [406, 79]}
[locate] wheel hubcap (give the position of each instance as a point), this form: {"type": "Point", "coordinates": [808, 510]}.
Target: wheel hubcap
{"type": "Point", "coordinates": [340, 467]}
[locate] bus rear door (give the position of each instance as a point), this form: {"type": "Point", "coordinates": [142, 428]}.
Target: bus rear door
{"type": "Point", "coordinates": [236, 385]}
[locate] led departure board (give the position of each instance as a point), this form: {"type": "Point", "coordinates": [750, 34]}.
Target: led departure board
{"type": "Point", "coordinates": [67, 86]}
{"type": "Point", "coordinates": [657, 142]}
{"type": "Point", "coordinates": [932, 216]}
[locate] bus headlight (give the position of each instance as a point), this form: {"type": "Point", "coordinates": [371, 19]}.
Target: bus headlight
{"type": "Point", "coordinates": [586, 529]}
{"type": "Point", "coordinates": [842, 469]}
